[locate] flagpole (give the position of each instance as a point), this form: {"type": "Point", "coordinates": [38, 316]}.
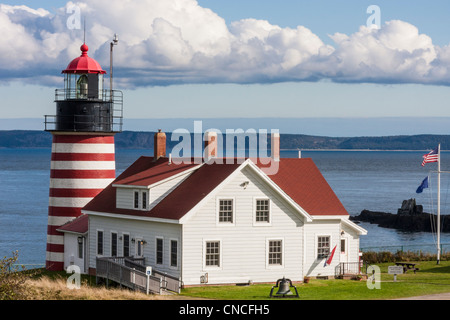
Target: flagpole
{"type": "Point", "coordinates": [439, 206]}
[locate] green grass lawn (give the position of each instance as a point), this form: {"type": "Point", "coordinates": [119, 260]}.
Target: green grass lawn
{"type": "Point", "coordinates": [430, 279]}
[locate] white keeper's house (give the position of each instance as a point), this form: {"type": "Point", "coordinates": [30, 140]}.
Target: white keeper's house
{"type": "Point", "coordinates": [217, 223]}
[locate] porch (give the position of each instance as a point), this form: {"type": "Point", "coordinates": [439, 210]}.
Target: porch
{"type": "Point", "coordinates": [134, 274]}
{"type": "Point", "coordinates": [351, 270]}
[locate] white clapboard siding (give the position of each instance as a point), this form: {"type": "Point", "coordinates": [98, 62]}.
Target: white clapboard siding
{"type": "Point", "coordinates": [124, 198]}
{"type": "Point", "coordinates": [313, 265]}
{"type": "Point", "coordinates": [147, 231]}
{"type": "Point", "coordinates": [352, 245]}
{"type": "Point", "coordinates": [243, 245]}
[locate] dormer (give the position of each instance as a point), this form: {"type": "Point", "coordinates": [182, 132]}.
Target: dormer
{"type": "Point", "coordinates": [149, 180]}
{"type": "Point", "coordinates": [147, 188]}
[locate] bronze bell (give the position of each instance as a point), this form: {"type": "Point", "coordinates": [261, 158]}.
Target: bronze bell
{"type": "Point", "coordinates": [284, 288]}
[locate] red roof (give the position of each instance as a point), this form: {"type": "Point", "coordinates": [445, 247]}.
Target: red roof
{"type": "Point", "coordinates": [79, 225]}
{"type": "Point", "coordinates": [145, 171]}
{"type": "Point", "coordinates": [300, 179]}
{"type": "Point", "coordinates": [84, 63]}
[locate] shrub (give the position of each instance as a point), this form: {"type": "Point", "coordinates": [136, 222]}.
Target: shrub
{"type": "Point", "coordinates": [372, 257]}
{"type": "Point", "coordinates": [12, 279]}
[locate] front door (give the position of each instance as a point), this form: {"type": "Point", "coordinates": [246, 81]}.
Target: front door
{"type": "Point", "coordinates": [344, 249]}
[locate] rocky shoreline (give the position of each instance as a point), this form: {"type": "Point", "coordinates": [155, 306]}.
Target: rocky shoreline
{"type": "Point", "coordinates": [409, 218]}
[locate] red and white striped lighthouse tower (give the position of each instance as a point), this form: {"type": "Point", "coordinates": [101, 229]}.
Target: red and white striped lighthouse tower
{"type": "Point", "coordinates": [83, 153]}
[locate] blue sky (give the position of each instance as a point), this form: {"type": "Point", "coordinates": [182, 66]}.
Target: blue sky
{"type": "Point", "coordinates": [243, 59]}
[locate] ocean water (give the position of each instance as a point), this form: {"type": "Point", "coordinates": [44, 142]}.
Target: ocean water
{"type": "Point", "coordinates": [374, 180]}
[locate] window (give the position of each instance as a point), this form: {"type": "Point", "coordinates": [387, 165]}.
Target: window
{"type": "Point", "coordinates": [212, 258]}
{"type": "Point", "coordinates": [136, 199]}
{"type": "Point", "coordinates": [275, 252]}
{"type": "Point", "coordinates": [139, 247]}
{"type": "Point", "coordinates": [140, 200]}
{"type": "Point", "coordinates": [80, 247]}
{"type": "Point", "coordinates": [144, 200]}
{"type": "Point", "coordinates": [113, 244]}
{"type": "Point", "coordinates": [262, 210]}
{"type": "Point", "coordinates": [126, 245]}
{"type": "Point", "coordinates": [343, 246]}
{"type": "Point", "coordinates": [100, 243]}
{"type": "Point", "coordinates": [323, 246]}
{"type": "Point", "coordinates": [226, 210]}
{"type": "Point", "coordinates": [159, 250]}
{"type": "Point", "coordinates": [173, 253]}
{"type": "Point", "coordinates": [82, 87]}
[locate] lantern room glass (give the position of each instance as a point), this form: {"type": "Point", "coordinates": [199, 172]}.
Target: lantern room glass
{"type": "Point", "coordinates": [76, 86]}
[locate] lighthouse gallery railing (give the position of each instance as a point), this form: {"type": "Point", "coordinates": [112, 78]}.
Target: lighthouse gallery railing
{"type": "Point", "coordinates": [113, 121]}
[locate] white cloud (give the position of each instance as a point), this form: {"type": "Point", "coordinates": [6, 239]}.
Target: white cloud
{"type": "Point", "coordinates": [396, 52]}
{"type": "Point", "coordinates": [177, 41]}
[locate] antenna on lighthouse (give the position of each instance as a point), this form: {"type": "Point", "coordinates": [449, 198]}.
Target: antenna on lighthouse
{"type": "Point", "coordinates": [113, 43]}
{"type": "Point", "coordinates": [84, 35]}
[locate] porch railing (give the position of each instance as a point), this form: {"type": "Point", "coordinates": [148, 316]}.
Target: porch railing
{"type": "Point", "coordinates": [131, 273]}
{"type": "Point", "coordinates": [351, 268]}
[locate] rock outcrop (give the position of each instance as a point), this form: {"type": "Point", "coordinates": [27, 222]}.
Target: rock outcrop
{"type": "Point", "coordinates": [410, 217]}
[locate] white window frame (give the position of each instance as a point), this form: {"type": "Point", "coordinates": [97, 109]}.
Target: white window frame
{"type": "Point", "coordinates": [345, 245]}
{"type": "Point", "coordinates": [205, 267]}
{"type": "Point", "coordinates": [136, 202]}
{"type": "Point", "coordinates": [317, 246]}
{"type": "Point", "coordinates": [275, 266]}
{"type": "Point", "coordinates": [156, 250]}
{"type": "Point", "coordinates": [261, 223]}
{"type": "Point", "coordinates": [170, 254]}
{"type": "Point", "coordinates": [103, 242]}
{"type": "Point", "coordinates": [111, 243]}
{"type": "Point", "coordinates": [223, 223]}
{"type": "Point", "coordinates": [140, 199]}
{"type": "Point", "coordinates": [144, 205]}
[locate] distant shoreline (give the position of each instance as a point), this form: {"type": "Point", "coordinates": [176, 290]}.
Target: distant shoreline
{"type": "Point", "coordinates": [289, 142]}
{"type": "Point", "coordinates": [361, 150]}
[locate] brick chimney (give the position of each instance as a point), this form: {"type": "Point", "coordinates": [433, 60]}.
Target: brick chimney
{"type": "Point", "coordinates": [210, 145]}
{"type": "Point", "coordinates": [275, 146]}
{"type": "Point", "coordinates": [159, 145]}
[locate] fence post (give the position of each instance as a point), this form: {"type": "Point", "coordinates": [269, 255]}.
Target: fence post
{"type": "Point", "coordinates": [107, 274]}
{"type": "Point", "coordinates": [120, 276]}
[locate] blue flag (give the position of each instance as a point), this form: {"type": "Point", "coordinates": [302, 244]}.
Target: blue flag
{"type": "Point", "coordinates": [423, 185]}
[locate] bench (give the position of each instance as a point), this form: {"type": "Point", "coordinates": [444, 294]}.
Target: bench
{"type": "Point", "coordinates": [407, 266]}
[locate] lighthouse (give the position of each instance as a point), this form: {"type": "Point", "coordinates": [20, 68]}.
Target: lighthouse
{"type": "Point", "coordinates": [83, 153]}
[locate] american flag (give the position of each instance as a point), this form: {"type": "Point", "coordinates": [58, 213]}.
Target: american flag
{"type": "Point", "coordinates": [433, 156]}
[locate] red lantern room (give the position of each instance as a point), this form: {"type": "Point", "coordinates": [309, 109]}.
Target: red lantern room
{"type": "Point", "coordinates": [83, 77]}
{"type": "Point", "coordinates": [84, 105]}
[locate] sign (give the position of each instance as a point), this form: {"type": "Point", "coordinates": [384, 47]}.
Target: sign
{"type": "Point", "coordinates": [148, 271]}
{"type": "Point", "coordinates": [395, 270]}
